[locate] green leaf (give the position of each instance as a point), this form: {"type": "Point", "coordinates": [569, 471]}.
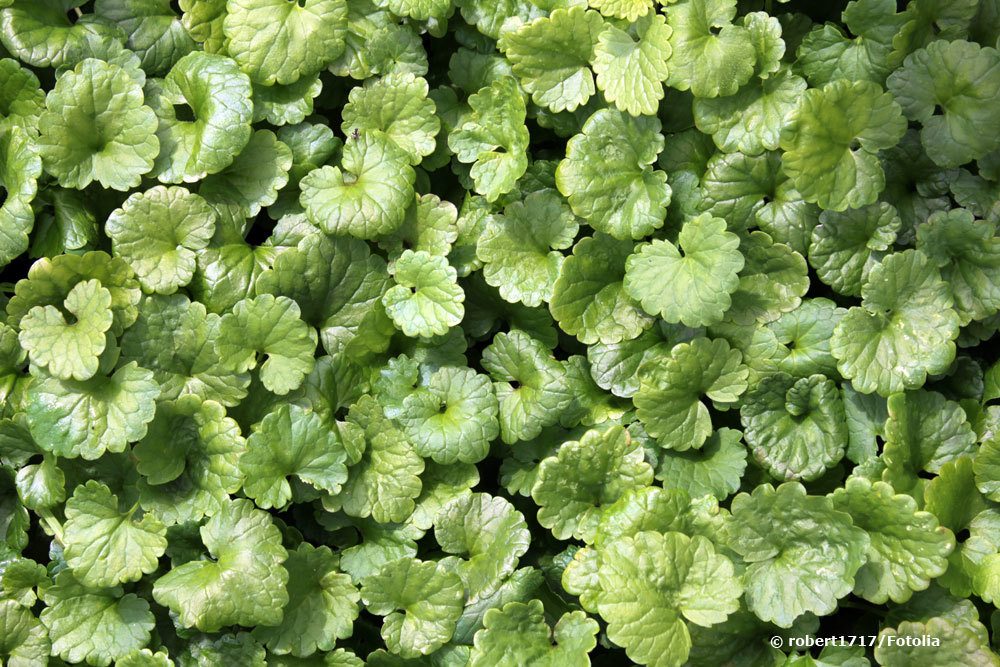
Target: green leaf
{"type": "Point", "coordinates": [451, 417]}
{"type": "Point", "coordinates": [228, 273]}
{"type": "Point", "coordinates": [39, 33]}
{"type": "Point", "coordinates": [591, 404]}
{"type": "Point", "coordinates": [188, 460]}
{"type": "Point", "coordinates": [754, 191]}
{"type": "Point", "coordinates": [338, 284]}
{"type": "Point", "coordinates": [12, 356]}
{"type": "Point", "coordinates": [398, 107]}
{"type": "Point", "coordinates": [380, 544]}
{"type": "Point", "coordinates": [650, 583]}
{"type": "Point", "coordinates": [802, 553]}
{"type": "Point", "coordinates": [145, 658]}
{"type": "Point", "coordinates": [286, 105]}
{"type": "Point", "coordinates": [276, 41]}
{"type": "Point", "coordinates": [20, 167]}
{"type": "Point", "coordinates": [797, 343]}
{"type": "Point", "coordinates": [958, 644]}
{"type": "Point", "coordinates": [421, 602]}
{"type": "Point", "coordinates": [159, 232]}
{"type": "Point", "coordinates": [832, 139]}
{"type": "Point", "coordinates": [243, 583]}
{"type": "Point", "coordinates": [967, 252]}
{"type": "Point", "coordinates": [441, 484]}
{"type": "Point", "coordinates": [531, 386]}
{"type": "Point", "coordinates": [154, 32]}
{"type": "Point", "coordinates": [104, 42]}
{"type": "Point", "coordinates": [14, 518]}
{"type": "Point", "coordinates": [20, 579]}
{"type": "Point", "coordinates": [69, 351]}
{"type": "Point", "coordinates": [715, 469]}
{"type": "Point", "coordinates": [608, 178]}
{"type": "Point", "coordinates": [518, 587]}
{"type": "Point", "coordinates": [368, 196]}
{"type": "Point", "coordinates": [630, 10]}
{"type": "Point", "coordinates": [202, 19]}
{"type": "Point", "coordinates": [86, 418]}
{"type": "Point", "coordinates": [224, 650]}
{"type": "Point", "coordinates": [312, 144]}
{"type": "Point", "coordinates": [519, 249]}
{"type": "Point", "coordinates": [487, 312]}
{"type": "Point", "coordinates": [589, 299]}
{"type": "Point", "coordinates": [827, 54]}
{"type": "Point", "coordinates": [669, 403]}
{"type": "Point", "coordinates": [23, 99]}
{"type": "Point", "coordinates": [987, 467]}
{"type": "Point", "coordinates": [656, 509]}
{"type": "Point", "coordinates": [907, 166]}
{"type": "Point", "coordinates": [929, 20]}
{"type": "Point", "coordinates": [575, 487]}
{"type": "Point", "coordinates": [489, 15]}
{"type": "Point", "coordinates": [23, 640]}
{"type": "Point", "coordinates": [924, 431]}
{"type": "Point", "coordinates": [953, 498]}
{"type": "Point", "coordinates": [765, 33]}
{"type": "Point", "coordinates": [493, 138]}
{"type": "Point", "coordinates": [795, 428]}
{"type": "Point", "coordinates": [907, 549]}
{"type": "Point", "coordinates": [421, 10]}
{"type": "Point", "coordinates": [385, 482]}
{"type": "Point", "coordinates": [519, 469]}
{"type": "Point", "coordinates": [96, 625]}
{"type": "Point", "coordinates": [845, 246]}
{"type": "Point", "coordinates": [96, 128]}
{"type": "Point", "coordinates": [517, 634]}
{"type": "Point", "coordinates": [866, 415]}
{"type": "Point", "coordinates": [104, 546]}
{"type": "Point", "coordinates": [322, 605]}
{"type": "Point", "coordinates": [291, 441]}
{"type": "Point", "coordinates": [69, 225]}
{"type": "Point", "coordinates": [903, 330]}
{"type": "Point", "coordinates": [551, 56]}
{"type": "Point", "coordinates": [375, 44]}
{"type": "Point", "coordinates": [711, 56]}
{"type": "Point", "coordinates": [632, 65]}
{"type": "Point", "coordinates": [211, 89]}
{"type": "Point", "coordinates": [253, 179]}
{"type": "Point", "coordinates": [431, 224]}
{"type": "Point", "coordinates": [948, 88]}
{"type": "Point", "coordinates": [41, 485]}
{"type": "Point", "coordinates": [490, 535]}
{"type": "Point", "coordinates": [689, 282]}
{"type": "Point", "coordinates": [974, 192]}
{"type": "Point", "coordinates": [750, 121]}
{"type": "Point", "coordinates": [426, 300]}
{"type": "Point", "coordinates": [177, 340]}
{"type": "Point", "coordinates": [269, 326]}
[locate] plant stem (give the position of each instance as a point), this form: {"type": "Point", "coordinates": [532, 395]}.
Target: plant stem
{"type": "Point", "coordinates": [51, 523]}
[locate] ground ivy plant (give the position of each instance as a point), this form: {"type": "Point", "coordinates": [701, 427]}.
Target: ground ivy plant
{"type": "Point", "coordinates": [478, 333]}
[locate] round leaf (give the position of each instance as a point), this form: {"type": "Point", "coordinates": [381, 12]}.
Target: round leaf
{"type": "Point", "coordinates": [97, 128]}
{"type": "Point", "coordinates": [159, 232]}
{"type": "Point", "coordinates": [690, 282]}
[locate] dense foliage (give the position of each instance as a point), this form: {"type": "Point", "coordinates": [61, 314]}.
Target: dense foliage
{"type": "Point", "coordinates": [499, 332]}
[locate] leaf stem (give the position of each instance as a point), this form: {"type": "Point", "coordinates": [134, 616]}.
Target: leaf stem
{"type": "Point", "coordinates": [51, 523]}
